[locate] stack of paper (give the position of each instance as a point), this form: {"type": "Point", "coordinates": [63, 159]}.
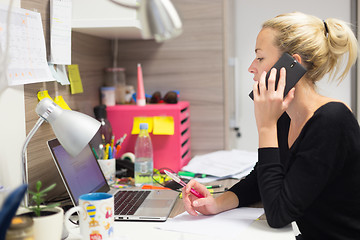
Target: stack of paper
{"type": "Point", "coordinates": [223, 164]}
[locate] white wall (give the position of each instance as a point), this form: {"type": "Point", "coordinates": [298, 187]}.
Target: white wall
{"type": "Point", "coordinates": [249, 17]}
{"type": "Point", "coordinates": [12, 131]}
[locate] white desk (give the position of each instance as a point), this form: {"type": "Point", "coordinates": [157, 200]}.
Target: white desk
{"type": "Point", "coordinates": [259, 230]}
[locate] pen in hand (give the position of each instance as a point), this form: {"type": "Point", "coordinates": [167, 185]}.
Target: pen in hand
{"type": "Point", "coordinates": [182, 183]}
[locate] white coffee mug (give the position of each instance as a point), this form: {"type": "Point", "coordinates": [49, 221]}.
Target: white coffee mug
{"type": "Point", "coordinates": [96, 216]}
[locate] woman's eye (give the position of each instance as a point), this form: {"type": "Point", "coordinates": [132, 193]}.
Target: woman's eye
{"type": "Point", "coordinates": [259, 59]}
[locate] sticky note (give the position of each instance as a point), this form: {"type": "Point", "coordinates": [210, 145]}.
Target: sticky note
{"type": "Point", "coordinates": [43, 94]}
{"type": "Point", "coordinates": [163, 125]}
{"type": "Point", "coordinates": [59, 100]}
{"type": "Point", "coordinates": [138, 120]}
{"type": "Point", "coordinates": [75, 80]}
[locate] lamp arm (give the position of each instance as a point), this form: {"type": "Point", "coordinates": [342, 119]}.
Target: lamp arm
{"type": "Point", "coordinates": [125, 5]}
{"type": "Point", "coordinates": [24, 160]}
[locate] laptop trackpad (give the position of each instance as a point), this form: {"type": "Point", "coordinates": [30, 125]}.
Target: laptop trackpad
{"type": "Point", "coordinates": [156, 203]}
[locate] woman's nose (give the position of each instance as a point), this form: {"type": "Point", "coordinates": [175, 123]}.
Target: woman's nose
{"type": "Point", "coordinates": [252, 69]}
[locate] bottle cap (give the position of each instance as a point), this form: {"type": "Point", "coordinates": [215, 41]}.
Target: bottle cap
{"type": "Point", "coordinates": [143, 126]}
{"type": "Point", "coordinates": [100, 111]}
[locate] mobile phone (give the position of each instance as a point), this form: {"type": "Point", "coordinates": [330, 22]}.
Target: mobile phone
{"type": "Point", "coordinates": [294, 71]}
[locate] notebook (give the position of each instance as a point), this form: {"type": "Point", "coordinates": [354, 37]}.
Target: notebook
{"type": "Point", "coordinates": [82, 174]}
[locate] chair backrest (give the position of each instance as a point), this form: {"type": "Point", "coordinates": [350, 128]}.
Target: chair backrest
{"type": "Point", "coordinates": [9, 208]}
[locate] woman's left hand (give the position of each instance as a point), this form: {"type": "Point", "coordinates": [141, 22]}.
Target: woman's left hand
{"type": "Point", "coordinates": [270, 103]}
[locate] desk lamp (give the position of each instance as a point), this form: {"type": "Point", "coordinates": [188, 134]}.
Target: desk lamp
{"type": "Point", "coordinates": [74, 130]}
{"type": "Point", "coordinates": [158, 18]}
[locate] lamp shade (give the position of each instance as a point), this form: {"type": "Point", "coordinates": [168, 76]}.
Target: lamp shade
{"type": "Point", "coordinates": [74, 130]}
{"type": "Point", "coordinates": [159, 19]}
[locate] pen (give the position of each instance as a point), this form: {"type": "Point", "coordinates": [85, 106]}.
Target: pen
{"type": "Point", "coordinates": [213, 186]}
{"type": "Point", "coordinates": [179, 181]}
{"type": "Point", "coordinates": [110, 153]}
{"type": "Point", "coordinates": [112, 141]}
{"type": "Point", "coordinates": [191, 174]}
{"type": "Point", "coordinates": [154, 187]}
{"type": "Point", "coordinates": [95, 153]}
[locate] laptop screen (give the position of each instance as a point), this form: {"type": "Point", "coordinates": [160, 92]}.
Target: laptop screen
{"type": "Point", "coordinates": [81, 174]}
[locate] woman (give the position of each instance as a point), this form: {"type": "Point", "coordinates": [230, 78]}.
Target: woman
{"type": "Point", "coordinates": [308, 167]}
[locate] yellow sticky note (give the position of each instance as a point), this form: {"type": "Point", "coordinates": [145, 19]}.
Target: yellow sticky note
{"type": "Point", "coordinates": [138, 120]}
{"type": "Point", "coordinates": [43, 94]}
{"type": "Point", "coordinates": [163, 125]}
{"type": "Point", "coordinates": [59, 100]}
{"type": "Point", "coordinates": [75, 80]}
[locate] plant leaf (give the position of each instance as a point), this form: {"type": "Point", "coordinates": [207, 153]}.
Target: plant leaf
{"type": "Point", "coordinates": [47, 189]}
{"type": "Point", "coordinates": [50, 206]}
{"type": "Point", "coordinates": [38, 186]}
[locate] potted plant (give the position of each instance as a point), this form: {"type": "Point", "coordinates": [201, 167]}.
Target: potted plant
{"type": "Point", "coordinates": [48, 219]}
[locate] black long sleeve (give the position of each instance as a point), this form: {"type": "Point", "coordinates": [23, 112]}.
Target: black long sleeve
{"type": "Point", "coordinates": [317, 181]}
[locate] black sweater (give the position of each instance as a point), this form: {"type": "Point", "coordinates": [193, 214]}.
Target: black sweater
{"type": "Point", "coordinates": [316, 182]}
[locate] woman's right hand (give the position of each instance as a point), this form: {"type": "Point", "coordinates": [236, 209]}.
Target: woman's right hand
{"type": "Point", "coordinates": [193, 205]}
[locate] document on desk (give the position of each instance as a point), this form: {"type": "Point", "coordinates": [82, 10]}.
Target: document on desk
{"type": "Point", "coordinates": [233, 163]}
{"type": "Point", "coordinates": [224, 225]}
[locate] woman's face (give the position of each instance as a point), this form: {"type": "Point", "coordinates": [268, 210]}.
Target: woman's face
{"type": "Point", "coordinates": [266, 53]}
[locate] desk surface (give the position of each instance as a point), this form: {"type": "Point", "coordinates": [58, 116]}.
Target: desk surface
{"type": "Point", "coordinates": [147, 230]}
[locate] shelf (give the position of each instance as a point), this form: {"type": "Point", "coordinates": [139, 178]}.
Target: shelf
{"type": "Point", "coordinates": [111, 29]}
{"type": "Point", "coordinates": [105, 19]}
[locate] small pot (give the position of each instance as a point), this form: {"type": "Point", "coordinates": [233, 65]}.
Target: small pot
{"type": "Point", "coordinates": [49, 225]}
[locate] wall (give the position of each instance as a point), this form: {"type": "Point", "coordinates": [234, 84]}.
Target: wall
{"type": "Point", "coordinates": [12, 128]}
{"type": "Point", "coordinates": [249, 18]}
{"type": "Point", "coordinates": [192, 64]}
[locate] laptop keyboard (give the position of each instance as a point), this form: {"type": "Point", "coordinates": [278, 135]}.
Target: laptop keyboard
{"type": "Point", "coordinates": [127, 202]}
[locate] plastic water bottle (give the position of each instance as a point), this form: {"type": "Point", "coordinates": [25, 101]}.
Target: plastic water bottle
{"type": "Point", "coordinates": [143, 157]}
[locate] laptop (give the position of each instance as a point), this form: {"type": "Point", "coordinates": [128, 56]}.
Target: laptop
{"type": "Point", "coordinates": [82, 174]}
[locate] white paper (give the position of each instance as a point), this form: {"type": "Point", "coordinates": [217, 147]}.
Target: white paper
{"type": "Point", "coordinates": [234, 163]}
{"type": "Point", "coordinates": [27, 51]}
{"type": "Point", "coordinates": [59, 74]}
{"type": "Point", "coordinates": [60, 31]}
{"type": "Point", "coordinates": [224, 225]}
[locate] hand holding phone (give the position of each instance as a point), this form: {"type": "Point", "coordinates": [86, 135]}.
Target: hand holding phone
{"type": "Point", "coordinates": [294, 71]}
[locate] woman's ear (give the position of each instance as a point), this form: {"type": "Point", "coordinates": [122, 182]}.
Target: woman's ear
{"type": "Point", "coordinates": [297, 57]}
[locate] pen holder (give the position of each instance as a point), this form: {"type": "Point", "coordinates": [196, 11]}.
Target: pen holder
{"type": "Point", "coordinates": [108, 168]}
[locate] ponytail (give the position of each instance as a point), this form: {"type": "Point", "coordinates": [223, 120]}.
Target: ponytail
{"type": "Point", "coordinates": [322, 45]}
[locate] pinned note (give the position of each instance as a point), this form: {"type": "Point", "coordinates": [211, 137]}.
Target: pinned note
{"type": "Point", "coordinates": [75, 80]}
{"type": "Point", "coordinates": [59, 100]}
{"type": "Point", "coordinates": [163, 125]}
{"type": "Point", "coordinates": [43, 94]}
{"type": "Point", "coordinates": [138, 120]}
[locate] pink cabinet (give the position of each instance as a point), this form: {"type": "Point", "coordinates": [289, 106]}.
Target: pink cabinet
{"type": "Point", "coordinates": [170, 151]}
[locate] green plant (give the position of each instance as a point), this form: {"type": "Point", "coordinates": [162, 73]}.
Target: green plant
{"type": "Point", "coordinates": [38, 198]}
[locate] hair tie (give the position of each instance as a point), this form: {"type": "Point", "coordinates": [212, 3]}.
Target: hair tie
{"type": "Point", "coordinates": [326, 28]}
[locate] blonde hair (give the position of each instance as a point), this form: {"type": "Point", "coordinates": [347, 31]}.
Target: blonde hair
{"type": "Point", "coordinates": [322, 45]}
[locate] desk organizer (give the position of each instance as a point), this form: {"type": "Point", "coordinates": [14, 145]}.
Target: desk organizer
{"type": "Point", "coordinates": [170, 151]}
